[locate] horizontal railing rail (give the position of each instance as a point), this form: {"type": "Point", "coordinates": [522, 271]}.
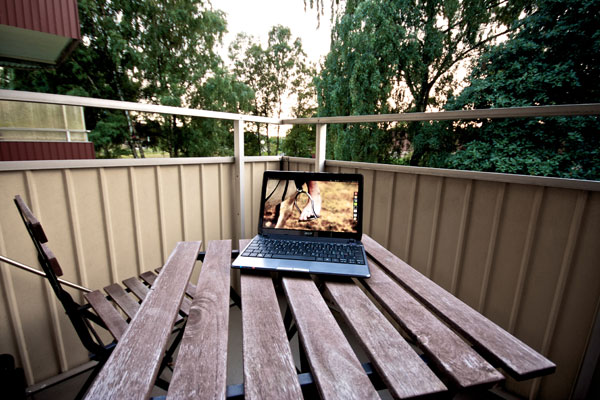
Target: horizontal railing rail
{"type": "Point", "coordinates": [46, 98]}
{"type": "Point", "coordinates": [124, 162]}
{"type": "Point", "coordinates": [508, 112]}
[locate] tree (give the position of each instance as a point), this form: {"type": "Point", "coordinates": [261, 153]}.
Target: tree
{"type": "Point", "coordinates": [160, 52]}
{"type": "Point", "coordinates": [274, 73]}
{"type": "Point", "coordinates": [300, 140]}
{"type": "Point", "coordinates": [553, 59]}
{"type": "Point", "coordinates": [390, 56]}
{"type": "Point", "coordinates": [286, 60]}
{"type": "Point", "coordinates": [249, 66]}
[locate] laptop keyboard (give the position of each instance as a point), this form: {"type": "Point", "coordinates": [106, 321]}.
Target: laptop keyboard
{"type": "Point", "coordinates": [305, 250]}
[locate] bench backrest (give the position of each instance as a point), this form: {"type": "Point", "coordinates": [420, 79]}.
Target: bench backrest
{"type": "Point", "coordinates": [52, 268]}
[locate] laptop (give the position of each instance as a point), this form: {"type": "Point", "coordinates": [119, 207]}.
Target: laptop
{"type": "Point", "coordinates": [308, 222]}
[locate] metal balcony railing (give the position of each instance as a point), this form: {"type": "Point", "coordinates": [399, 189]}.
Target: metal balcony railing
{"type": "Point", "coordinates": [520, 249]}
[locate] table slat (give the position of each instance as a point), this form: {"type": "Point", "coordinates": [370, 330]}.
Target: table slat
{"type": "Point", "coordinates": [149, 277]}
{"type": "Point", "coordinates": [337, 371]}
{"type": "Point", "coordinates": [520, 360]}
{"type": "Point", "coordinates": [108, 313]}
{"type": "Point", "coordinates": [401, 368]}
{"type": "Point", "coordinates": [190, 288]}
{"type": "Point", "coordinates": [269, 370]}
{"type": "Point", "coordinates": [131, 370]}
{"type": "Point", "coordinates": [201, 366]}
{"type": "Point", "coordinates": [455, 358]}
{"type": "Point", "coordinates": [123, 300]}
{"type": "Point", "coordinates": [140, 290]}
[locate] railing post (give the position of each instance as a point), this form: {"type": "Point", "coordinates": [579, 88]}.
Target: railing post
{"type": "Point", "coordinates": [320, 148]}
{"type": "Point", "coordinates": [66, 121]}
{"type": "Point", "coordinates": [238, 148]}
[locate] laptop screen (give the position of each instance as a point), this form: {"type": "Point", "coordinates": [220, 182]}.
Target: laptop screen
{"type": "Point", "coordinates": [311, 204]}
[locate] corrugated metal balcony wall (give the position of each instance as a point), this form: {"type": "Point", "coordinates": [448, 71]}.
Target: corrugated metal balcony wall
{"type": "Point", "coordinates": [521, 250]}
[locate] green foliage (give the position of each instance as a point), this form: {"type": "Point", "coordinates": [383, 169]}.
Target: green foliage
{"type": "Point", "coordinates": [300, 141]}
{"type": "Point", "coordinates": [160, 52]}
{"type": "Point", "coordinates": [273, 73]}
{"type": "Point", "coordinates": [109, 135]}
{"type": "Point", "coordinates": [390, 56]}
{"type": "Point", "coordinates": [553, 59]}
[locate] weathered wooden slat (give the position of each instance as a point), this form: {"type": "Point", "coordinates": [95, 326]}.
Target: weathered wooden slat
{"type": "Point", "coordinates": [453, 356]}
{"type": "Point", "coordinates": [31, 220]}
{"type": "Point", "coordinates": [123, 300]}
{"type": "Point", "coordinates": [190, 288]}
{"type": "Point", "coordinates": [401, 368]}
{"type": "Point", "coordinates": [337, 371]}
{"type": "Point", "coordinates": [517, 358]}
{"type": "Point", "coordinates": [149, 277]}
{"type": "Point", "coordinates": [131, 370]}
{"type": "Point", "coordinates": [201, 365]}
{"type": "Point", "coordinates": [269, 370]}
{"type": "Point", "coordinates": [141, 291]}
{"type": "Point", "coordinates": [108, 313]}
{"type": "Point", "coordinates": [51, 259]}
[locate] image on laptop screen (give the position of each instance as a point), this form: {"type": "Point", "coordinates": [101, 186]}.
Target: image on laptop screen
{"type": "Point", "coordinates": [325, 206]}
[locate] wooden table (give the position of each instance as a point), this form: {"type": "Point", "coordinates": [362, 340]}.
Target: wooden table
{"type": "Point", "coordinates": [418, 347]}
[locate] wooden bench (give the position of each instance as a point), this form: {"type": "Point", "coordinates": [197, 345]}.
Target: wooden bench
{"type": "Point", "coordinates": [411, 330]}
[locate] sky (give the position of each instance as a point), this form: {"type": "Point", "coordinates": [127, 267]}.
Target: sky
{"type": "Point", "coordinates": [257, 17]}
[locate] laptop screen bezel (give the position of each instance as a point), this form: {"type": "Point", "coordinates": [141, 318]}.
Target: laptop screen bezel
{"type": "Point", "coordinates": [306, 176]}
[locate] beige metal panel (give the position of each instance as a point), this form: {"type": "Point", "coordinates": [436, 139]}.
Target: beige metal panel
{"type": "Point", "coordinates": [369, 195]}
{"type": "Point", "coordinates": [512, 248]}
{"type": "Point", "coordinates": [451, 222]}
{"type": "Point", "coordinates": [148, 225]}
{"type": "Point", "coordinates": [382, 206]}
{"type": "Point", "coordinates": [579, 304]}
{"type": "Point", "coordinates": [119, 222]}
{"type": "Point", "coordinates": [256, 176]}
{"type": "Point", "coordinates": [425, 222]}
{"type": "Point", "coordinates": [228, 221]}
{"type": "Point", "coordinates": [477, 241]}
{"type": "Point", "coordinates": [169, 187]}
{"type": "Point", "coordinates": [191, 200]}
{"type": "Point", "coordinates": [41, 322]}
{"type": "Point", "coordinates": [86, 221]}
{"type": "Point", "coordinates": [475, 175]}
{"type": "Point", "coordinates": [551, 237]}
{"type": "Point", "coordinates": [249, 207]}
{"type": "Point", "coordinates": [254, 169]}
{"type": "Point", "coordinates": [401, 217]}
{"type": "Point", "coordinates": [12, 282]}
{"type": "Point", "coordinates": [210, 202]}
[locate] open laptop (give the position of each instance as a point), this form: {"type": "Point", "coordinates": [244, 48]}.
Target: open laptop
{"type": "Point", "coordinates": [308, 222]}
